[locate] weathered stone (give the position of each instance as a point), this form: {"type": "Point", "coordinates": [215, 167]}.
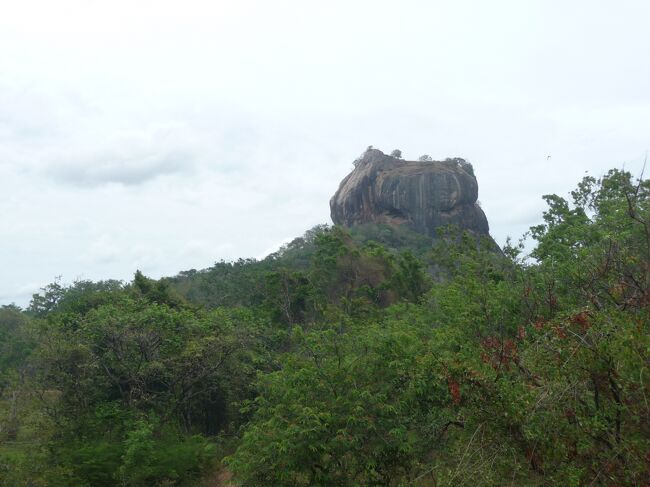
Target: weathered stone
{"type": "Point", "coordinates": [424, 195]}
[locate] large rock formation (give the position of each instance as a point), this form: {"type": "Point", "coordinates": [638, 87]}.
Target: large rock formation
{"type": "Point", "coordinates": [424, 195]}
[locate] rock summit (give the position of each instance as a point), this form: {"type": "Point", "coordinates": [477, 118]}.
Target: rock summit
{"type": "Point", "coordinates": [424, 195]}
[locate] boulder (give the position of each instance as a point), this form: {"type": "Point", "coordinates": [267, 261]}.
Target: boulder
{"type": "Point", "coordinates": [424, 195]}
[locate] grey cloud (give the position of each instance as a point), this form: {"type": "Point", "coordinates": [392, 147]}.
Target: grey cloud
{"type": "Point", "coordinates": [118, 167]}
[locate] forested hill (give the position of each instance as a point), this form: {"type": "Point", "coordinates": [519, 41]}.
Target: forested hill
{"type": "Point", "coordinates": [245, 282]}
{"type": "Point", "coordinates": [401, 205]}
{"type": "Point", "coordinates": [373, 355]}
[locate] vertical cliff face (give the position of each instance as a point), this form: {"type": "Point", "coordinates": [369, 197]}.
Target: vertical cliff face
{"type": "Point", "coordinates": [424, 195]}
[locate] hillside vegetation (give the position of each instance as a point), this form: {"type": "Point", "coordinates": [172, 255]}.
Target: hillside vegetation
{"type": "Point", "coordinates": [370, 356]}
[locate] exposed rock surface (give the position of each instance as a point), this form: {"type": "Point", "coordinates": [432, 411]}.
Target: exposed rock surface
{"type": "Point", "coordinates": [424, 195]}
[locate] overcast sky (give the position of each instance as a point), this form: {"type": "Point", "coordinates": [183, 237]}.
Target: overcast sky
{"type": "Point", "coordinates": [167, 135]}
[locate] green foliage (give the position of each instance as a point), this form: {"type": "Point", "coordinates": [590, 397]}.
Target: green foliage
{"type": "Point", "coordinates": [147, 454]}
{"type": "Point", "coordinates": [335, 415]}
{"type": "Point", "coordinates": [133, 383]}
{"type": "Point", "coordinates": [148, 457]}
{"type": "Point", "coordinates": [243, 282]}
{"type": "Point", "coordinates": [366, 357]}
{"type": "Point", "coordinates": [394, 238]}
{"type": "Point", "coordinates": [79, 298]}
{"type": "Point", "coordinates": [156, 291]}
{"type": "Point", "coordinates": [531, 371]}
{"type": "Point", "coordinates": [16, 343]}
{"type": "Point", "coordinates": [236, 283]}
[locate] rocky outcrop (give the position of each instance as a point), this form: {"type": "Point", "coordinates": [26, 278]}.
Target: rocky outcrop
{"type": "Point", "coordinates": [424, 195]}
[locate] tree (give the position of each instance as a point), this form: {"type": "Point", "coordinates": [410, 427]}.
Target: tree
{"type": "Point", "coordinates": [425, 158]}
{"type": "Point", "coordinates": [137, 383]}
{"type": "Point", "coordinates": [41, 304]}
{"type": "Point", "coordinates": [397, 154]}
{"type": "Point", "coordinates": [338, 413]}
{"type": "Point", "coordinates": [530, 370]}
